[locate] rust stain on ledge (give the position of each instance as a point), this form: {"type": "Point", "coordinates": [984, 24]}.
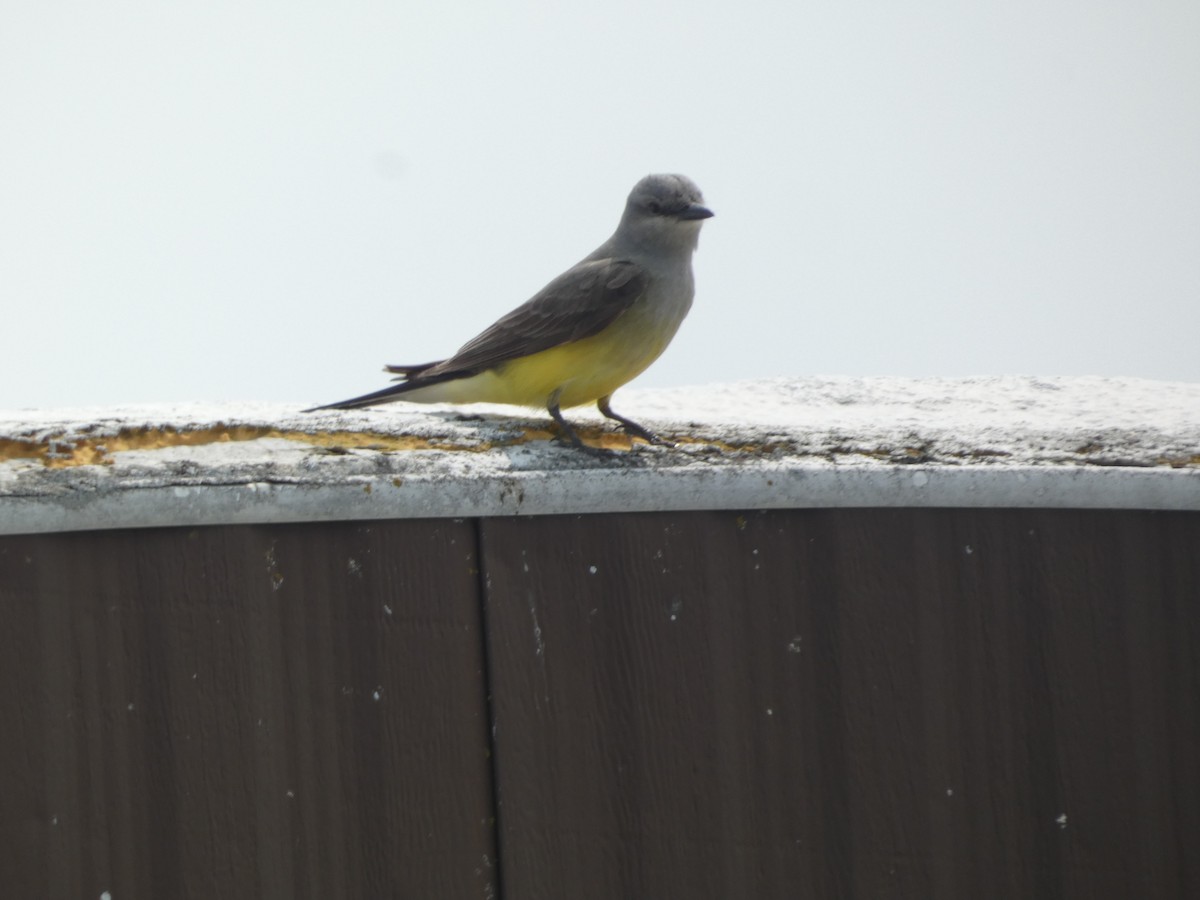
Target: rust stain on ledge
{"type": "Point", "coordinates": [63, 451]}
{"type": "Point", "coordinates": [60, 451]}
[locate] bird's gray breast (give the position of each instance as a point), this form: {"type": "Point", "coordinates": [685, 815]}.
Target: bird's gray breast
{"type": "Point", "coordinates": [668, 296]}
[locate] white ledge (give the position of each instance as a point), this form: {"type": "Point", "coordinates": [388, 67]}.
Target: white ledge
{"type": "Point", "coordinates": [1012, 442]}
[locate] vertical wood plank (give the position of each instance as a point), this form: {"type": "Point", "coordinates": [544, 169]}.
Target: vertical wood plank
{"type": "Point", "coordinates": [847, 703]}
{"type": "Point", "coordinates": [282, 711]}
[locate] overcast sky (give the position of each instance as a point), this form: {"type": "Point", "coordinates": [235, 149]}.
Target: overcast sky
{"type": "Point", "coordinates": [269, 201]}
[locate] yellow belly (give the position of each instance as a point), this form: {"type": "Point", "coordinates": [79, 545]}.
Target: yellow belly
{"type": "Point", "coordinates": [581, 372]}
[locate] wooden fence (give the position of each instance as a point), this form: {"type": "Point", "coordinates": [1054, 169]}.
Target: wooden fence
{"type": "Point", "coordinates": [849, 703]}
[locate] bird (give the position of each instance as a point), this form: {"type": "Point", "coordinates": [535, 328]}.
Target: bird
{"type": "Point", "coordinates": [589, 331]}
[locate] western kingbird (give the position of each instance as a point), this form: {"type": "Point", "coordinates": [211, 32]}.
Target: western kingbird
{"type": "Point", "coordinates": [586, 333]}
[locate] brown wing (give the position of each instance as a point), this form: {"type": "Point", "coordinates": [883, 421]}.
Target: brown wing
{"type": "Point", "coordinates": [581, 302]}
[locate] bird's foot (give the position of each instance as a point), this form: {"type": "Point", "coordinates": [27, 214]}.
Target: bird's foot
{"type": "Point", "coordinates": [649, 437]}
{"type": "Point", "coordinates": [631, 427]}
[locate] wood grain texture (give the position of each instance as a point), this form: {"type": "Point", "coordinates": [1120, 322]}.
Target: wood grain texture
{"type": "Point", "coordinates": [810, 703]}
{"type": "Point", "coordinates": [291, 711]}
{"type": "Point", "coordinates": [847, 703]}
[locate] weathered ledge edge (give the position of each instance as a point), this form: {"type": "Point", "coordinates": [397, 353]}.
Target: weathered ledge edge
{"type": "Point", "coordinates": [768, 486]}
{"type": "Point", "coordinates": [999, 442]}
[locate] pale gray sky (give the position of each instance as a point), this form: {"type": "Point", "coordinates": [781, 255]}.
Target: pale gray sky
{"type": "Point", "coordinates": [269, 201]}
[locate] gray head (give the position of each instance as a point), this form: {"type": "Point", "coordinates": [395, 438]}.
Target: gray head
{"type": "Point", "coordinates": [663, 211]}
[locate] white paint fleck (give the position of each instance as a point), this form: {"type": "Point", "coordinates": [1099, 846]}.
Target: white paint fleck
{"type": "Point", "coordinates": [1062, 820]}
{"type": "Point", "coordinates": [273, 569]}
{"type": "Point", "coordinates": [54, 820]}
{"type": "Point", "coordinates": [181, 492]}
{"type": "Point", "coordinates": [377, 694]}
{"type": "Point", "coordinates": [387, 609]}
{"type": "Point", "coordinates": [969, 549]}
{"type": "Point", "coordinates": [539, 644]}
{"type": "Point", "coordinates": [354, 567]}
{"type": "Point", "coordinates": [592, 570]}
{"type": "Point", "coordinates": [130, 707]}
{"type": "Point", "coordinates": [949, 792]}
{"type": "Point", "coordinates": [105, 895]}
{"type": "Point", "coordinates": [920, 479]}
{"type": "Point", "coordinates": [794, 644]}
{"type": "Point", "coordinates": [770, 712]}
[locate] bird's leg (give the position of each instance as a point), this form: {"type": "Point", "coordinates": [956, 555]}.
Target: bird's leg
{"type": "Point", "coordinates": [557, 416]}
{"type": "Point", "coordinates": [629, 425]}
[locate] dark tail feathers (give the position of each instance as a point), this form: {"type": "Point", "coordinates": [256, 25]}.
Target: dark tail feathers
{"type": "Point", "coordinates": [412, 374]}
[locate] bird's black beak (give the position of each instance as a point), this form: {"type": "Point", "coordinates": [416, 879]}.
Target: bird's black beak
{"type": "Point", "coordinates": [695, 211]}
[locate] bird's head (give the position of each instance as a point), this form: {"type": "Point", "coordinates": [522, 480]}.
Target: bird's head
{"type": "Point", "coordinates": [664, 211]}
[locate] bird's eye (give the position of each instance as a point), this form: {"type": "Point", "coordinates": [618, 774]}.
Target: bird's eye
{"type": "Point", "coordinates": [654, 206]}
